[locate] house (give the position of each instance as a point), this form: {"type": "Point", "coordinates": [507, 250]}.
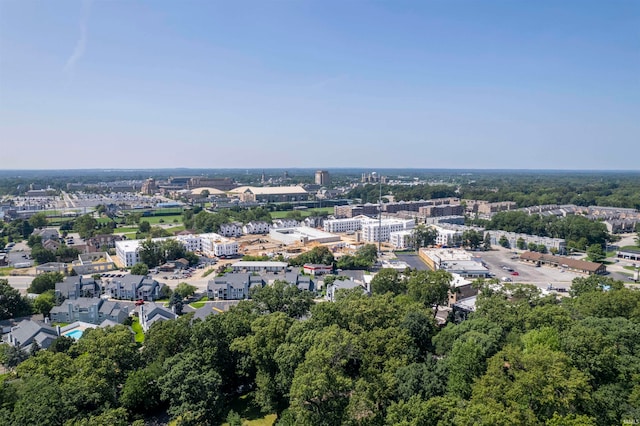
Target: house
{"type": "Point", "coordinates": [151, 313]}
{"type": "Point", "coordinates": [338, 285]}
{"type": "Point", "coordinates": [77, 286]}
{"type": "Point", "coordinates": [28, 332]}
{"type": "Point", "coordinates": [256, 227]}
{"type": "Point", "coordinates": [233, 286]}
{"type": "Point", "coordinates": [134, 287]}
{"type": "Point", "coordinates": [51, 245]}
{"type": "Point", "coordinates": [92, 310]}
{"type": "Point", "coordinates": [47, 234]}
{"type": "Point", "coordinates": [461, 288]}
{"type": "Point", "coordinates": [303, 282]}
{"type": "Point", "coordinates": [233, 229]}
{"type": "Point", "coordinates": [102, 242]}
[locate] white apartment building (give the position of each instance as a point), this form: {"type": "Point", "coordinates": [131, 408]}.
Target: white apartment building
{"type": "Point", "coordinates": [374, 230]}
{"type": "Point", "coordinates": [402, 239]}
{"type": "Point", "coordinates": [210, 244]}
{"type": "Point", "coordinates": [191, 242]}
{"type": "Point", "coordinates": [217, 245]}
{"type": "Point", "coordinates": [285, 223]}
{"type": "Point", "coordinates": [233, 229]}
{"type": "Point", "coordinates": [447, 237]}
{"type": "Point", "coordinates": [259, 227]}
{"type": "Point", "coordinates": [345, 225]}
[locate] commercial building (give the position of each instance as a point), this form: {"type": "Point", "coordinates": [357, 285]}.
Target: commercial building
{"type": "Point", "coordinates": [454, 261]}
{"type": "Point", "coordinates": [270, 194]}
{"type": "Point", "coordinates": [575, 265]}
{"type": "Point", "coordinates": [303, 235]}
{"type": "Point", "coordinates": [350, 211]}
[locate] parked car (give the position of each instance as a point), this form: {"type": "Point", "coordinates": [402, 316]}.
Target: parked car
{"type": "Point", "coordinates": [516, 273]}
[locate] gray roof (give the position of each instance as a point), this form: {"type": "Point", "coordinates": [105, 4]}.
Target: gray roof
{"type": "Point", "coordinates": [28, 329]}
{"type": "Point", "coordinates": [345, 284]}
{"type": "Point", "coordinates": [205, 311]}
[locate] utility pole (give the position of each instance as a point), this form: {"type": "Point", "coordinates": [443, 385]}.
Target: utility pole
{"type": "Point", "coordinates": [380, 216]}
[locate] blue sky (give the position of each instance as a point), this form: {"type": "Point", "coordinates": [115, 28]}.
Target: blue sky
{"type": "Point", "coordinates": [425, 84]}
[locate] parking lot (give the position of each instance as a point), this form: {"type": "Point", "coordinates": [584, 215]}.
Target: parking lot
{"type": "Point", "coordinates": [499, 258]}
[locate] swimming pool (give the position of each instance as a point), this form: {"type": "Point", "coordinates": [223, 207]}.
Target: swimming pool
{"type": "Point", "coordinates": [75, 333]}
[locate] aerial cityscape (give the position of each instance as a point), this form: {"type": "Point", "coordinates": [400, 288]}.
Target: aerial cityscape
{"type": "Point", "coordinates": [319, 213]}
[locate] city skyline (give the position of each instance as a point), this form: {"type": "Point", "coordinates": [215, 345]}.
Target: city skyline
{"type": "Point", "coordinates": [320, 85]}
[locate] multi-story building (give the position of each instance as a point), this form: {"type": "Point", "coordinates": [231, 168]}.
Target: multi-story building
{"type": "Point", "coordinates": [350, 211]}
{"type": "Point", "coordinates": [210, 244]}
{"type": "Point", "coordinates": [402, 239]}
{"type": "Point", "coordinates": [256, 227]}
{"type": "Point", "coordinates": [92, 310]}
{"type": "Point", "coordinates": [233, 229]}
{"type": "Point", "coordinates": [216, 245]}
{"type": "Point", "coordinates": [442, 210]}
{"type": "Point", "coordinates": [374, 230]}
{"type": "Point", "coordinates": [285, 223]}
{"type": "Point", "coordinates": [322, 178]}
{"type": "Point", "coordinates": [345, 225]}
{"type": "Point", "coordinates": [232, 286]}
{"type": "Point", "coordinates": [149, 187]}
{"type": "Point", "coordinates": [134, 287]}
{"type": "Point", "coordinates": [75, 287]}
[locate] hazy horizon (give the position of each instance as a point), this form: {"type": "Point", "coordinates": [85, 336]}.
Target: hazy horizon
{"type": "Point", "coordinates": [459, 85]}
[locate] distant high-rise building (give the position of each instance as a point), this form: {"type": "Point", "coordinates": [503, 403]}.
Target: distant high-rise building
{"type": "Point", "coordinates": [322, 177]}
{"type": "Point", "coordinates": [149, 187]}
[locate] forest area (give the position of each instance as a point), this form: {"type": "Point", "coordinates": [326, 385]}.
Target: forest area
{"type": "Point", "coordinates": [520, 358]}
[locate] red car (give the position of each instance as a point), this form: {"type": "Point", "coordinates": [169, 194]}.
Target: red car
{"type": "Point", "coordinates": [139, 302]}
{"type": "Point", "coordinates": [515, 273]}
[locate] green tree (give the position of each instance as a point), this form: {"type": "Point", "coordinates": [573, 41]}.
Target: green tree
{"type": "Point", "coordinates": [41, 255]}
{"type": "Point", "coordinates": [141, 391]}
{"type": "Point", "coordinates": [424, 236]}
{"type": "Point", "coordinates": [431, 288]}
{"type": "Point", "coordinates": [532, 247]}
{"type": "Point", "coordinates": [185, 290]}
{"type": "Point", "coordinates": [503, 241]}
{"type": "Point", "coordinates": [472, 239]}
{"type": "Point", "coordinates": [521, 244]}
{"type": "Point", "coordinates": [486, 244]}
{"type": "Point", "coordinates": [86, 226]}
{"type": "Point", "coordinates": [38, 220]}
{"type": "Point", "coordinates": [45, 282]}
{"type": "Point", "coordinates": [144, 226]}
{"type": "Point", "coordinates": [388, 280]}
{"type": "Point", "coordinates": [282, 297]}
{"type": "Point", "coordinates": [193, 390]}
{"type": "Point", "coordinates": [139, 269]}
{"type": "Point", "coordinates": [595, 253]}
{"type": "Point", "coordinates": [44, 303]}
{"type": "Point", "coordinates": [151, 253]}
{"type": "Point", "coordinates": [12, 304]}
{"type": "Point", "coordinates": [541, 248]}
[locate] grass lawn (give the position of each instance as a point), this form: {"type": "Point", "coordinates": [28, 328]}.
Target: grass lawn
{"type": "Point", "coordinates": [154, 220]}
{"type": "Point", "coordinates": [104, 220]}
{"type": "Point", "coordinates": [208, 272]}
{"type": "Point", "coordinates": [175, 229]}
{"type": "Point", "coordinates": [137, 328]}
{"type": "Point", "coordinates": [200, 303]}
{"type": "Point", "coordinates": [6, 271]}
{"type": "Point", "coordinates": [629, 248]}
{"type": "Point", "coordinates": [250, 412]}
{"type": "Point", "coordinates": [125, 230]}
{"type": "Point", "coordinates": [131, 236]}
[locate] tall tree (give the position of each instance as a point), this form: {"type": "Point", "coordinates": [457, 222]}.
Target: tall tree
{"type": "Point", "coordinates": [431, 288]}
{"type": "Point", "coordinates": [12, 304]}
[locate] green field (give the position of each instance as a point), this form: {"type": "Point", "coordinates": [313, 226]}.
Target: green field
{"type": "Point", "coordinates": [126, 230]}
{"type": "Point", "coordinates": [250, 412]}
{"type": "Point", "coordinates": [154, 220]}
{"type": "Point", "coordinates": [6, 271]}
{"type": "Point", "coordinates": [200, 303]}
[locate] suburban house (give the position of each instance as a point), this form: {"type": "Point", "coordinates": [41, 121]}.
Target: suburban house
{"type": "Point", "coordinates": [77, 286]}
{"type": "Point", "coordinates": [51, 245]}
{"type": "Point", "coordinates": [47, 234]}
{"type": "Point", "coordinates": [233, 229]}
{"type": "Point", "coordinates": [232, 286]}
{"type": "Point", "coordinates": [337, 285]}
{"type": "Point", "coordinates": [303, 282]}
{"type": "Point", "coordinates": [461, 288]}
{"type": "Point", "coordinates": [256, 227]}
{"type": "Point", "coordinates": [152, 313]}
{"type": "Point", "coordinates": [28, 332]}
{"type": "Point", "coordinates": [134, 287]}
{"type": "Point", "coordinates": [93, 310]}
